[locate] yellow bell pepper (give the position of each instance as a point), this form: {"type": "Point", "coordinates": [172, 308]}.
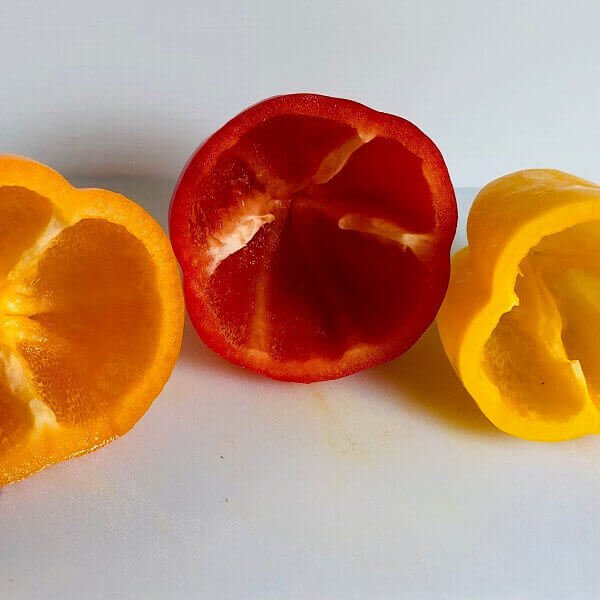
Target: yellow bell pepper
{"type": "Point", "coordinates": [521, 319]}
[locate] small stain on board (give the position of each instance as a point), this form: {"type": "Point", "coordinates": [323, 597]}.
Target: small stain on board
{"type": "Point", "coordinates": [337, 436]}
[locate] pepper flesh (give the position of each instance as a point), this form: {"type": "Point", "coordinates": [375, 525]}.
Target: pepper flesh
{"type": "Point", "coordinates": [521, 320]}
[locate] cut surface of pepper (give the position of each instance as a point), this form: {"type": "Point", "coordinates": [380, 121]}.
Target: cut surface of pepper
{"type": "Point", "coordinates": [91, 317]}
{"type": "Point", "coordinates": [314, 236]}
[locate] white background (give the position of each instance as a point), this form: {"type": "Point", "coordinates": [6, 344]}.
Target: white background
{"type": "Point", "coordinates": [123, 86]}
{"type": "Point", "coordinates": [388, 484]}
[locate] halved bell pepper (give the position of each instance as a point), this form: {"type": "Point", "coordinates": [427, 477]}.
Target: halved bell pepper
{"type": "Point", "coordinates": [521, 320]}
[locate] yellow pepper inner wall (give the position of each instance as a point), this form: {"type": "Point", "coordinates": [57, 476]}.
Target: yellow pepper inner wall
{"type": "Point", "coordinates": [544, 354]}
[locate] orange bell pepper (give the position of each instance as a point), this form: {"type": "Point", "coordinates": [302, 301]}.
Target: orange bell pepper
{"type": "Point", "coordinates": [521, 320]}
{"type": "Point", "coordinates": [91, 317]}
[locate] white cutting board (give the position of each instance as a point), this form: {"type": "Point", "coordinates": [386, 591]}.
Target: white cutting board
{"type": "Point", "coordinates": [386, 484]}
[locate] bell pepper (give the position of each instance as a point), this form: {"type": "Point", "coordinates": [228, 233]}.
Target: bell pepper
{"type": "Point", "coordinates": [91, 317]}
{"type": "Point", "coordinates": [314, 237]}
{"type": "Point", "coordinates": [521, 319]}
